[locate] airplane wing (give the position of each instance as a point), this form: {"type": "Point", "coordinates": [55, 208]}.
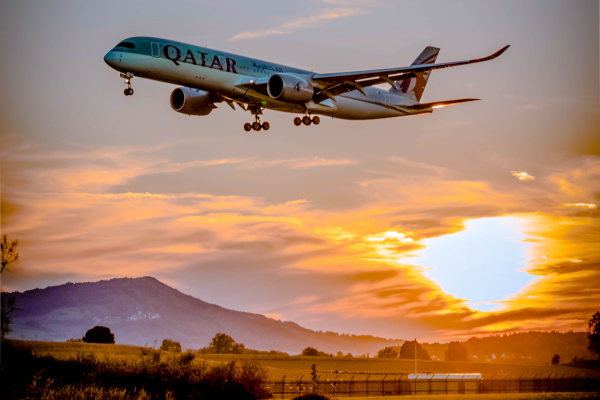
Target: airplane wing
{"type": "Point", "coordinates": [338, 83]}
{"type": "Point", "coordinates": [440, 104]}
{"type": "Point", "coordinates": [357, 76]}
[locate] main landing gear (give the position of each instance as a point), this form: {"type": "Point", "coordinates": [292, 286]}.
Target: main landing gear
{"type": "Point", "coordinates": [307, 120]}
{"type": "Point", "coordinates": [256, 125]}
{"type": "Point", "coordinates": [128, 77]}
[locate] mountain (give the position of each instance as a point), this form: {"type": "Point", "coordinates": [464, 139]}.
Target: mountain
{"type": "Point", "coordinates": [142, 310]}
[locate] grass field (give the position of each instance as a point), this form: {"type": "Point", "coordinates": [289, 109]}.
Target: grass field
{"type": "Point", "coordinates": [294, 367]}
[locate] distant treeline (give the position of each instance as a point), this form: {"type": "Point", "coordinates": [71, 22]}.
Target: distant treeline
{"type": "Point", "coordinates": [521, 348]}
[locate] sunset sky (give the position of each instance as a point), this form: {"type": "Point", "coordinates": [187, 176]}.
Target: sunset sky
{"type": "Point", "coordinates": [479, 218]}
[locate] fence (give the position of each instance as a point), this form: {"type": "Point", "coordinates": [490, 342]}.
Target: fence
{"type": "Point", "coordinates": [401, 385]}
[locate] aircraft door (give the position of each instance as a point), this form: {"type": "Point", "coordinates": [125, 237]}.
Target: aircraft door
{"type": "Point", "coordinates": [155, 50]}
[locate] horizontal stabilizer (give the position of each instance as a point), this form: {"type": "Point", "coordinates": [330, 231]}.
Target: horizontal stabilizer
{"type": "Point", "coordinates": [440, 104]}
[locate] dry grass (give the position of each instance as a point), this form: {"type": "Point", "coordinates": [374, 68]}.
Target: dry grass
{"type": "Point", "coordinates": [296, 366]}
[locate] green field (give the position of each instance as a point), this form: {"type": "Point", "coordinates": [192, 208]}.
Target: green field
{"type": "Point", "coordinates": [293, 367]}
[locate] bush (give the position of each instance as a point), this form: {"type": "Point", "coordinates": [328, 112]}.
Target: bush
{"type": "Point", "coordinates": [99, 334]}
{"type": "Point", "coordinates": [312, 352]}
{"type": "Point", "coordinates": [177, 379]}
{"type": "Point", "coordinates": [311, 396]}
{"type": "Point", "coordinates": [169, 345]}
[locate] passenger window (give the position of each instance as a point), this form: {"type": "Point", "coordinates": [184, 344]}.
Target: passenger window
{"type": "Point", "coordinates": [127, 45]}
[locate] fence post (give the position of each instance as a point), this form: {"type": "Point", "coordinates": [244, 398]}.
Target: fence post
{"type": "Point", "coordinates": [283, 386]}
{"type": "Point", "coordinates": [520, 383]}
{"type": "Point", "coordinates": [367, 385]}
{"type": "Point", "coordinates": [446, 383]}
{"type": "Point", "coordinates": [575, 383]}
{"type": "Point", "coordinates": [505, 385]}
{"type": "Point", "coordinates": [351, 384]}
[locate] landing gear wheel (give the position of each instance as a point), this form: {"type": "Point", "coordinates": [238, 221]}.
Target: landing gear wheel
{"type": "Point", "coordinates": [130, 91]}
{"type": "Point", "coordinates": [306, 120]}
{"type": "Point", "coordinates": [256, 126]}
{"type": "Point", "coordinates": [247, 126]}
{"type": "Point", "coordinates": [126, 91]}
{"type": "Point", "coordinates": [316, 120]}
{"type": "Point", "coordinates": [297, 121]}
{"type": "Point", "coordinates": [266, 126]}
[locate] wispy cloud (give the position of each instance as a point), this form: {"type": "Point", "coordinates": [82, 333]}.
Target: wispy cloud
{"type": "Point", "coordinates": [300, 23]}
{"type": "Point", "coordinates": [298, 163]}
{"type": "Point", "coordinates": [523, 176]}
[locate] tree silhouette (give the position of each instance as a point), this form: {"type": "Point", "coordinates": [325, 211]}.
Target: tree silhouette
{"type": "Point", "coordinates": [99, 334]}
{"type": "Point", "coordinates": [388, 352]}
{"type": "Point", "coordinates": [555, 359]}
{"type": "Point", "coordinates": [310, 351]}
{"type": "Point", "coordinates": [593, 334]}
{"type": "Point", "coordinates": [408, 351]}
{"type": "Point", "coordinates": [9, 252]}
{"type": "Point", "coordinates": [9, 255]}
{"type": "Point", "coordinates": [456, 352]}
{"type": "Point", "coordinates": [170, 345]}
{"type": "Point", "coordinates": [221, 344]}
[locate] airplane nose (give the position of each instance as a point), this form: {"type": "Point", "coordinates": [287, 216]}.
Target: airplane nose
{"type": "Point", "coordinates": [111, 59]}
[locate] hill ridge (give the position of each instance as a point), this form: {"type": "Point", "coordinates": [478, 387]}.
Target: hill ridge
{"type": "Point", "coordinates": [143, 309]}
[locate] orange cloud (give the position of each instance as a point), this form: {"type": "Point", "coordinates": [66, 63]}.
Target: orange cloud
{"type": "Point", "coordinates": [321, 264]}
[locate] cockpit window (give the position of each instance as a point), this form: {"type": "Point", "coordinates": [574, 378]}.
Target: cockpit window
{"type": "Point", "coordinates": [127, 45]}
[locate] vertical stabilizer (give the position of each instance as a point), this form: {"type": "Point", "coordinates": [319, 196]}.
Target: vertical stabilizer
{"type": "Point", "coordinates": [414, 86]}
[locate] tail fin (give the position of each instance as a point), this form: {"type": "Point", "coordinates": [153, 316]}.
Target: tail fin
{"type": "Point", "coordinates": [414, 86]}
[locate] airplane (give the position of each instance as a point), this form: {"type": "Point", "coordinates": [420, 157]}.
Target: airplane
{"type": "Point", "coordinates": [209, 76]}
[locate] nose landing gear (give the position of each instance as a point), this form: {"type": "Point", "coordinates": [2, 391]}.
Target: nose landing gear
{"type": "Point", "coordinates": [128, 77]}
{"type": "Point", "coordinates": [256, 125]}
{"type": "Point", "coordinates": [307, 120]}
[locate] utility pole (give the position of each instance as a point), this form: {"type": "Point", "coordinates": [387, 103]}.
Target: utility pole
{"type": "Point", "coordinates": [415, 356]}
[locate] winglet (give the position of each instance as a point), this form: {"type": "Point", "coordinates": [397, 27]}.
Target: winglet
{"type": "Point", "coordinates": [496, 54]}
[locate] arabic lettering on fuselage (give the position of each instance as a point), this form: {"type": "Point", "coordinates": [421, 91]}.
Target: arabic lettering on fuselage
{"type": "Point", "coordinates": [265, 66]}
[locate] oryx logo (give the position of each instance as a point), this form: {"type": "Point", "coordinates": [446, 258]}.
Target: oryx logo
{"type": "Point", "coordinates": [297, 87]}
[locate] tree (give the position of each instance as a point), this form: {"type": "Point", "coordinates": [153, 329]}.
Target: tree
{"type": "Point", "coordinates": [593, 334]}
{"type": "Point", "coordinates": [388, 352]}
{"type": "Point", "coordinates": [408, 351]}
{"type": "Point", "coordinates": [9, 252]}
{"type": "Point", "coordinates": [169, 345]}
{"type": "Point", "coordinates": [9, 255]}
{"type": "Point", "coordinates": [339, 354]}
{"type": "Point", "coordinates": [221, 344]}
{"type": "Point", "coordinates": [238, 348]}
{"type": "Point", "coordinates": [456, 352]}
{"type": "Point", "coordinates": [310, 351]}
{"type": "Point", "coordinates": [555, 359]}
{"type": "Point", "coordinates": [99, 334]}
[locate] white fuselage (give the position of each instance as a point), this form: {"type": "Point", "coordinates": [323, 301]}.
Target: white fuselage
{"type": "Point", "coordinates": [223, 79]}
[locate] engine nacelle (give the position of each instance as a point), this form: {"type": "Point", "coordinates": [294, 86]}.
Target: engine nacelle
{"type": "Point", "coordinates": [290, 88]}
{"type": "Point", "coordinates": [191, 101]}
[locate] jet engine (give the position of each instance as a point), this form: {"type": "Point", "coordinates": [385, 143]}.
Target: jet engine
{"type": "Point", "coordinates": [191, 101]}
{"type": "Point", "coordinates": [290, 88]}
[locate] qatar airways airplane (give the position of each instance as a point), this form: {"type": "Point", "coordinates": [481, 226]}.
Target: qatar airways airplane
{"type": "Point", "coordinates": [210, 76]}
